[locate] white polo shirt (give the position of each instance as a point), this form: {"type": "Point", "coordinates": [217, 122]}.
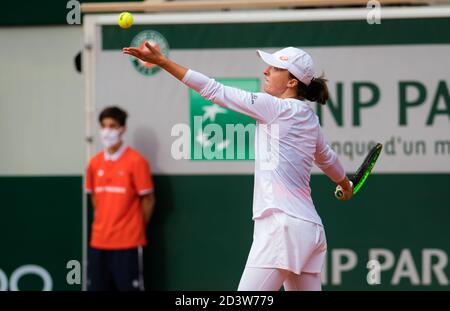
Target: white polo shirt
{"type": "Point", "coordinates": [288, 141]}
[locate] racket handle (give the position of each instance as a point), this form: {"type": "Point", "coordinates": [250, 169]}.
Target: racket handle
{"type": "Point", "coordinates": [339, 192]}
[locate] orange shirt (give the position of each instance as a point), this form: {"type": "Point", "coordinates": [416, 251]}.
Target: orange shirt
{"type": "Point", "coordinates": [117, 182]}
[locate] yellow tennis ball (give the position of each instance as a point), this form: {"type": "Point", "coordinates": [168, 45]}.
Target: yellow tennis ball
{"type": "Point", "coordinates": [125, 20]}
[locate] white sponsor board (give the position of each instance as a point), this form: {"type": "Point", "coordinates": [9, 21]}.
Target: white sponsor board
{"type": "Point", "coordinates": [397, 95]}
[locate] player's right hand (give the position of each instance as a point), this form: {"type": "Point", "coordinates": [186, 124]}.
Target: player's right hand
{"type": "Point", "coordinates": [346, 187]}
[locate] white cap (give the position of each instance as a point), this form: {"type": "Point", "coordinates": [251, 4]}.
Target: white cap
{"type": "Point", "coordinates": [296, 61]}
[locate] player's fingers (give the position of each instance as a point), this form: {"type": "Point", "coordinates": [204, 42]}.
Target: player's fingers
{"type": "Point", "coordinates": [137, 56]}
{"type": "Point", "coordinates": [132, 53]}
{"type": "Point", "coordinates": [131, 49]}
{"type": "Point", "coordinates": [149, 46]}
{"type": "Point", "coordinates": [126, 50]}
{"type": "Point", "coordinates": [135, 50]}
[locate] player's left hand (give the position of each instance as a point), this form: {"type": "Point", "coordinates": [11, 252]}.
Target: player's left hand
{"type": "Point", "coordinates": [146, 53]}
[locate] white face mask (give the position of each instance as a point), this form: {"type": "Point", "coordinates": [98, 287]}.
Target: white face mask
{"type": "Point", "coordinates": [110, 137]}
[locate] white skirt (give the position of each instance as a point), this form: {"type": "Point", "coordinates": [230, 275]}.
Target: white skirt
{"type": "Point", "coordinates": [284, 242]}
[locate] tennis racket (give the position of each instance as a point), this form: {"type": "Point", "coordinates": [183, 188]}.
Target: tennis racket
{"type": "Point", "coordinates": [363, 171]}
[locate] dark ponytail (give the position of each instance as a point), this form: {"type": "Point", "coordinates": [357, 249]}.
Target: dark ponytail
{"type": "Point", "coordinates": [316, 91]}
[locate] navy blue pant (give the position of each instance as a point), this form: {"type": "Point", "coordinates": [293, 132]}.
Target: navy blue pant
{"type": "Point", "coordinates": [115, 270]}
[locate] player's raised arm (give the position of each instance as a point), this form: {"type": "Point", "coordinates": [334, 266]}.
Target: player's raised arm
{"type": "Point", "coordinates": [259, 106]}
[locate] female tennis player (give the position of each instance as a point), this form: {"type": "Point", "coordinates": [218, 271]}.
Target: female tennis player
{"type": "Point", "coordinates": [289, 244]}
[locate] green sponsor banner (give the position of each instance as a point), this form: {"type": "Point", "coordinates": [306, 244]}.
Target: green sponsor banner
{"type": "Point", "coordinates": [316, 33]}
{"type": "Point", "coordinates": [412, 102]}
{"type": "Point", "coordinates": [43, 13]}
{"type": "Point", "coordinates": [218, 133]}
{"type": "Point", "coordinates": [40, 225]}
{"type": "Point", "coordinates": [201, 232]}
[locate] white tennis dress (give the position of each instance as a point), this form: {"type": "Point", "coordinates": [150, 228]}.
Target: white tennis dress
{"type": "Point", "coordinates": [288, 231]}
